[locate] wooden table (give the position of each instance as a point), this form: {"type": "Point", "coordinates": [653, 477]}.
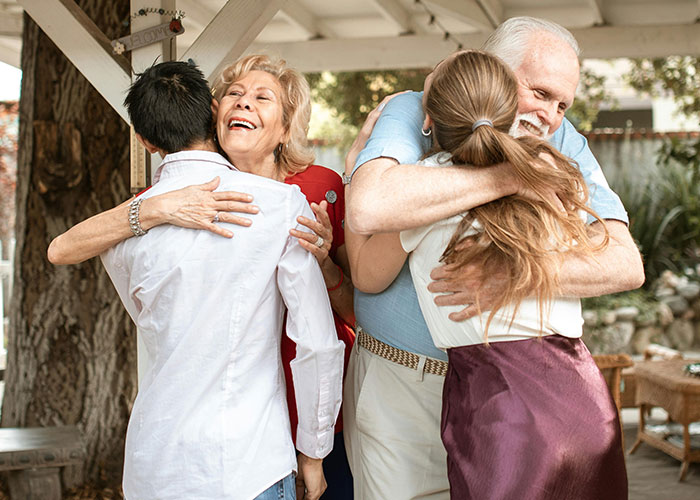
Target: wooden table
{"type": "Point", "coordinates": [34, 457]}
{"type": "Point", "coordinates": [664, 384]}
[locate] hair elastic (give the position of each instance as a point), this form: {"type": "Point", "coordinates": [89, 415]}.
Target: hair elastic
{"type": "Point", "coordinates": [480, 122]}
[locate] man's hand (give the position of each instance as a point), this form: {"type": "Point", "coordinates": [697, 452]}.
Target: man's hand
{"type": "Point", "coordinates": [460, 287]}
{"type": "Point", "coordinates": [311, 483]}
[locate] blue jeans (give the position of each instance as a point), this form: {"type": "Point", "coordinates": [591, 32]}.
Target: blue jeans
{"type": "Point", "coordinates": [284, 489]}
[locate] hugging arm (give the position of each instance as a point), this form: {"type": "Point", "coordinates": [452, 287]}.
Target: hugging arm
{"type": "Point", "coordinates": [386, 182]}
{"type": "Point", "coordinates": [192, 207]}
{"type": "Point", "coordinates": [375, 260]}
{"type": "Point", "coordinates": [386, 196]}
{"type": "Point", "coordinates": [618, 267]}
{"type": "Point", "coordinates": [615, 269]}
{"type": "Point", "coordinates": [336, 270]}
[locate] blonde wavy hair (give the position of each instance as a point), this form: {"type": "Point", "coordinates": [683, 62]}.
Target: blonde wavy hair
{"type": "Point", "coordinates": [294, 156]}
{"type": "Point", "coordinates": [522, 237]}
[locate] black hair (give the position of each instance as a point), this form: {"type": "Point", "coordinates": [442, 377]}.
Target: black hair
{"type": "Point", "coordinates": [170, 106]}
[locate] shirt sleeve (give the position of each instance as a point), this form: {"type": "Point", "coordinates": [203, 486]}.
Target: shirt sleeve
{"type": "Point", "coordinates": [116, 266]}
{"type": "Point", "coordinates": [337, 213]}
{"type": "Point", "coordinates": [397, 133]}
{"type": "Point", "coordinates": [317, 369]}
{"type": "Point", "coordinates": [602, 199]}
{"type": "Point", "coordinates": [410, 238]}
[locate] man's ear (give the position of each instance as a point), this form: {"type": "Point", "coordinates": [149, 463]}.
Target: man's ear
{"type": "Point", "coordinates": [149, 147]}
{"type": "Point", "coordinates": [214, 109]}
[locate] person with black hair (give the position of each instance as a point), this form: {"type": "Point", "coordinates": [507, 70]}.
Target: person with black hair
{"type": "Point", "coordinates": [210, 420]}
{"type": "Point", "coordinates": [263, 108]}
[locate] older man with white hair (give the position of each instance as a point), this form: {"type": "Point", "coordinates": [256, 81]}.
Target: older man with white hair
{"type": "Point", "coordinates": [394, 383]}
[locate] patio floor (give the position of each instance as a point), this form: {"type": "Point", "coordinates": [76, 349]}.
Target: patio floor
{"type": "Point", "coordinates": [652, 474]}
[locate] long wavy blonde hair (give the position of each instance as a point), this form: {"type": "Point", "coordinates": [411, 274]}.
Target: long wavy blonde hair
{"type": "Point", "coordinates": [294, 156]}
{"type": "Point", "coordinates": [520, 237]}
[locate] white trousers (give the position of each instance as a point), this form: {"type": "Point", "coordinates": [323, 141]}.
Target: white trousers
{"type": "Point", "coordinates": [391, 425]}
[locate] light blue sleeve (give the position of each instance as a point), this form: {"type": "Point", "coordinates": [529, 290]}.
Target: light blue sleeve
{"type": "Point", "coordinates": [603, 200]}
{"type": "Point", "coordinates": [397, 133]}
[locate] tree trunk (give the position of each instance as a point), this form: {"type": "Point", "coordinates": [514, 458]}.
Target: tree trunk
{"type": "Point", "coordinates": [71, 352]}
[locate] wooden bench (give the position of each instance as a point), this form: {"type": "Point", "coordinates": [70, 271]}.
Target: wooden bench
{"type": "Point", "coordinates": [33, 458]}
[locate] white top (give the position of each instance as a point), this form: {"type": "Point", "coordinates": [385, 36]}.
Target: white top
{"type": "Point", "coordinates": [210, 420]}
{"type": "Point", "coordinates": [427, 244]}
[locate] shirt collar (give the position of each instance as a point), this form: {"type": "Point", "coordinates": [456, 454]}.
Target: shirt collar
{"type": "Point", "coordinates": [172, 161]}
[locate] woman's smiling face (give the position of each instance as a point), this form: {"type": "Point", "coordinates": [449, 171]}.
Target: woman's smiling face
{"type": "Point", "coordinates": [249, 119]}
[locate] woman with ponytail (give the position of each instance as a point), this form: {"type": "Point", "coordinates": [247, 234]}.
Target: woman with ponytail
{"type": "Point", "coordinates": [526, 413]}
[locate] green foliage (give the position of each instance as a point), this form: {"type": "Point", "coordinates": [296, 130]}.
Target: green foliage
{"type": "Point", "coordinates": [675, 76]}
{"type": "Point", "coordinates": [354, 94]}
{"type": "Point", "coordinates": [346, 98]}
{"type": "Point", "coordinates": [664, 208]}
{"type": "Point", "coordinates": [350, 96]}
{"type": "Point", "coordinates": [591, 94]}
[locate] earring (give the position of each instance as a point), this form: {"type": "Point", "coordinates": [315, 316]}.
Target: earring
{"type": "Point", "coordinates": [278, 152]}
{"type": "Point", "coordinates": [426, 133]}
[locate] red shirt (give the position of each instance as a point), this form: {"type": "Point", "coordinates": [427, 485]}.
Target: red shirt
{"type": "Point", "coordinates": [318, 184]}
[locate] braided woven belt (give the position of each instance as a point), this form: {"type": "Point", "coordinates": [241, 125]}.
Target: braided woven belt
{"type": "Point", "coordinates": [398, 356]}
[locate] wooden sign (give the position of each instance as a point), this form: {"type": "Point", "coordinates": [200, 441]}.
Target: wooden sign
{"type": "Point", "coordinates": [148, 36]}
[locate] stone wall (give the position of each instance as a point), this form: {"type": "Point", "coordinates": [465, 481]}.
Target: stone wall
{"type": "Point", "coordinates": [672, 320]}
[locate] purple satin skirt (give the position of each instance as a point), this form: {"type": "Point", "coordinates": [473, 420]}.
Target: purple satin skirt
{"type": "Point", "coordinates": [530, 420]}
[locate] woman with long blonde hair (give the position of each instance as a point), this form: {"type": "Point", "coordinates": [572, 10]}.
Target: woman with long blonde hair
{"type": "Point", "coordinates": [526, 413]}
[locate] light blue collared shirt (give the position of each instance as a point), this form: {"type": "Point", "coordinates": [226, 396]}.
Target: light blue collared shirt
{"type": "Point", "coordinates": [394, 316]}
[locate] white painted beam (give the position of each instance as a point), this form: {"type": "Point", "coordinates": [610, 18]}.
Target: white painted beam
{"type": "Point", "coordinates": [10, 50]}
{"type": "Point", "coordinates": [640, 13]}
{"type": "Point", "coordinates": [416, 51]}
{"type": "Point", "coordinates": [11, 24]}
{"type": "Point", "coordinates": [573, 16]}
{"type": "Point", "coordinates": [616, 14]}
{"type": "Point", "coordinates": [196, 12]}
{"type": "Point", "coordinates": [597, 10]}
{"type": "Point", "coordinates": [604, 42]}
{"type": "Point", "coordinates": [230, 33]}
{"type": "Point", "coordinates": [466, 11]}
{"type": "Point", "coordinates": [360, 54]}
{"type": "Point", "coordinates": [394, 12]}
{"type": "Point", "coordinates": [301, 17]}
{"type": "Point", "coordinates": [493, 10]}
{"type": "Point", "coordinates": [84, 45]}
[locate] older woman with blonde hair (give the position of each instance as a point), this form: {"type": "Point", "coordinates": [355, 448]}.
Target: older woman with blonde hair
{"type": "Point", "coordinates": [262, 116]}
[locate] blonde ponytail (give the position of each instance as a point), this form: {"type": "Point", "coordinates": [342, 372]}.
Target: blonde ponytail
{"type": "Point", "coordinates": [520, 238]}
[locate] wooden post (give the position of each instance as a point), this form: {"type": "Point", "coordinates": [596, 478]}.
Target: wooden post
{"type": "Point", "coordinates": [141, 161]}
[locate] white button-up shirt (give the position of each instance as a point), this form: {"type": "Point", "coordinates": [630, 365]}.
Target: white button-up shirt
{"type": "Point", "coordinates": [210, 420]}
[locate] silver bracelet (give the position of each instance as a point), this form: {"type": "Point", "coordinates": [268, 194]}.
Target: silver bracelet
{"type": "Point", "coordinates": [134, 222]}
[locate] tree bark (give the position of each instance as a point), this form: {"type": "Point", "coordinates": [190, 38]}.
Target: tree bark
{"type": "Point", "coordinates": [71, 353]}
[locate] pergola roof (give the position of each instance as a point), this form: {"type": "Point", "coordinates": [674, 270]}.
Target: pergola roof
{"type": "Point", "coordinates": [318, 35]}
{"type": "Point", "coordinates": [347, 35]}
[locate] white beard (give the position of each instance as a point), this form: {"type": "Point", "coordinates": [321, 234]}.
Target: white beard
{"type": "Point", "coordinates": [534, 122]}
